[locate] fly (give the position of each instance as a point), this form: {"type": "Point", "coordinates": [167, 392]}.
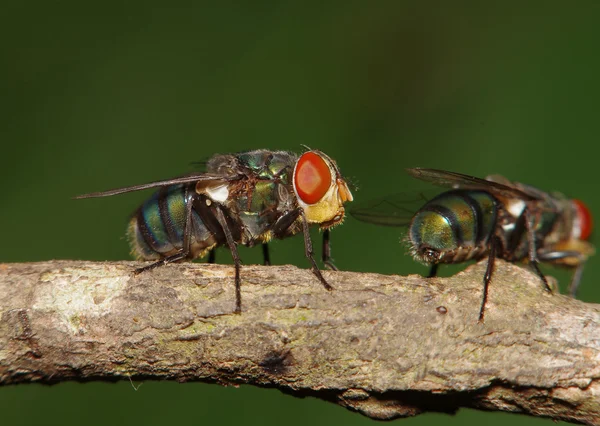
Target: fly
{"type": "Point", "coordinates": [491, 218]}
{"type": "Point", "coordinates": [247, 198]}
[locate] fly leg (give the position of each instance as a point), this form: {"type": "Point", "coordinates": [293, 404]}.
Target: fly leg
{"type": "Point", "coordinates": [234, 254]}
{"type": "Point", "coordinates": [308, 251]}
{"type": "Point", "coordinates": [326, 254]}
{"type": "Point", "coordinates": [433, 270]}
{"type": "Point", "coordinates": [558, 255]}
{"type": "Point", "coordinates": [180, 255]}
{"type": "Point", "coordinates": [574, 284]}
{"type": "Point", "coordinates": [487, 277]}
{"type": "Point", "coordinates": [533, 259]}
{"type": "Point", "coordinates": [185, 249]}
{"type": "Point", "coordinates": [284, 223]}
{"type": "Point", "coordinates": [266, 257]}
{"type": "Point", "coordinates": [212, 256]}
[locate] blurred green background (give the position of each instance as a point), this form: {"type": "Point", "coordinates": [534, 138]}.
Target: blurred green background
{"type": "Point", "coordinates": [117, 93]}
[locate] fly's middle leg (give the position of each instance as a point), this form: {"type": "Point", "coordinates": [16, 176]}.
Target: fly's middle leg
{"type": "Point", "coordinates": [533, 258]}
{"type": "Point", "coordinates": [487, 277]}
{"type": "Point", "coordinates": [234, 254]}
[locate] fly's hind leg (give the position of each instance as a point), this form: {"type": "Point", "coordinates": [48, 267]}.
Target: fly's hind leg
{"type": "Point", "coordinates": [180, 255]}
{"type": "Point", "coordinates": [433, 270]}
{"type": "Point", "coordinates": [326, 254]}
{"type": "Point", "coordinates": [234, 254]}
{"type": "Point", "coordinates": [266, 257]}
{"type": "Point", "coordinates": [187, 238]}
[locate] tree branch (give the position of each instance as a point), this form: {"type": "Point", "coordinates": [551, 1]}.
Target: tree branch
{"type": "Point", "coordinates": [386, 346]}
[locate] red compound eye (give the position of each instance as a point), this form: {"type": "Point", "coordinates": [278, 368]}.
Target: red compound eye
{"type": "Point", "coordinates": [585, 220]}
{"type": "Point", "coordinates": [312, 177]}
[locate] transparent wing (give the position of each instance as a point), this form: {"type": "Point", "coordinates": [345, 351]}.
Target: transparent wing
{"type": "Point", "coordinates": [391, 210]}
{"type": "Point", "coordinates": [458, 180]}
{"type": "Point", "coordinates": [195, 177]}
{"type": "Point", "coordinates": [200, 165]}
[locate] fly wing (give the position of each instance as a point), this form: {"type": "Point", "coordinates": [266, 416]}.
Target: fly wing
{"type": "Point", "coordinates": [200, 165]}
{"type": "Point", "coordinates": [460, 181]}
{"type": "Point", "coordinates": [391, 210]}
{"type": "Point", "coordinates": [209, 179]}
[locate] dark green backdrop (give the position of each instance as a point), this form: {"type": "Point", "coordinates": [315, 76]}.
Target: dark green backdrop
{"type": "Point", "coordinates": [94, 97]}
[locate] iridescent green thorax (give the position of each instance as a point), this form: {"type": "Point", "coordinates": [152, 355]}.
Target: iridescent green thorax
{"type": "Point", "coordinates": [263, 194]}
{"type": "Point", "coordinates": [269, 165]}
{"type": "Point", "coordinates": [454, 220]}
{"type": "Point", "coordinates": [267, 183]}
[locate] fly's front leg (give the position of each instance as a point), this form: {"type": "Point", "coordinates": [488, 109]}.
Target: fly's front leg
{"type": "Point", "coordinates": [187, 234]}
{"type": "Point", "coordinates": [308, 251]}
{"type": "Point", "coordinates": [552, 256]}
{"type": "Point", "coordinates": [326, 253]}
{"type": "Point", "coordinates": [283, 224]}
{"type": "Point", "coordinates": [533, 258]}
{"type": "Point", "coordinates": [234, 254]}
{"type": "Point", "coordinates": [575, 280]}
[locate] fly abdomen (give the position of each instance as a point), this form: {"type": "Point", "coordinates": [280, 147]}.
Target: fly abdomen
{"type": "Point", "coordinates": [156, 229]}
{"type": "Point", "coordinates": [454, 226]}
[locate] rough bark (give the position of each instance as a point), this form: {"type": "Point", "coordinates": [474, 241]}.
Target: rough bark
{"type": "Point", "coordinates": [386, 346]}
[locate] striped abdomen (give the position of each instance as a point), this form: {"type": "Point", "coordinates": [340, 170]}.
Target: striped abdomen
{"type": "Point", "coordinates": [156, 228]}
{"type": "Point", "coordinates": [456, 225]}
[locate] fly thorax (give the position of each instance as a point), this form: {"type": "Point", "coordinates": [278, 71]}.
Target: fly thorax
{"type": "Point", "coordinates": [320, 190]}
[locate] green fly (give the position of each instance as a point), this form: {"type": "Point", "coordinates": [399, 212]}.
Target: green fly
{"type": "Point", "coordinates": [489, 218]}
{"type": "Point", "coordinates": [247, 198]}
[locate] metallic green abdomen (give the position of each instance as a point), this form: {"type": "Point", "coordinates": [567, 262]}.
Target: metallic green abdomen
{"type": "Point", "coordinates": [156, 228]}
{"type": "Point", "coordinates": [453, 220]}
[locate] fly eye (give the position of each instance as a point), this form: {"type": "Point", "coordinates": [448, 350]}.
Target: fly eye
{"type": "Point", "coordinates": [585, 219]}
{"type": "Point", "coordinates": [312, 177]}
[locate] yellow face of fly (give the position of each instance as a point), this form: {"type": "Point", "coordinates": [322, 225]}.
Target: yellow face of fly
{"type": "Point", "coordinates": [320, 189]}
